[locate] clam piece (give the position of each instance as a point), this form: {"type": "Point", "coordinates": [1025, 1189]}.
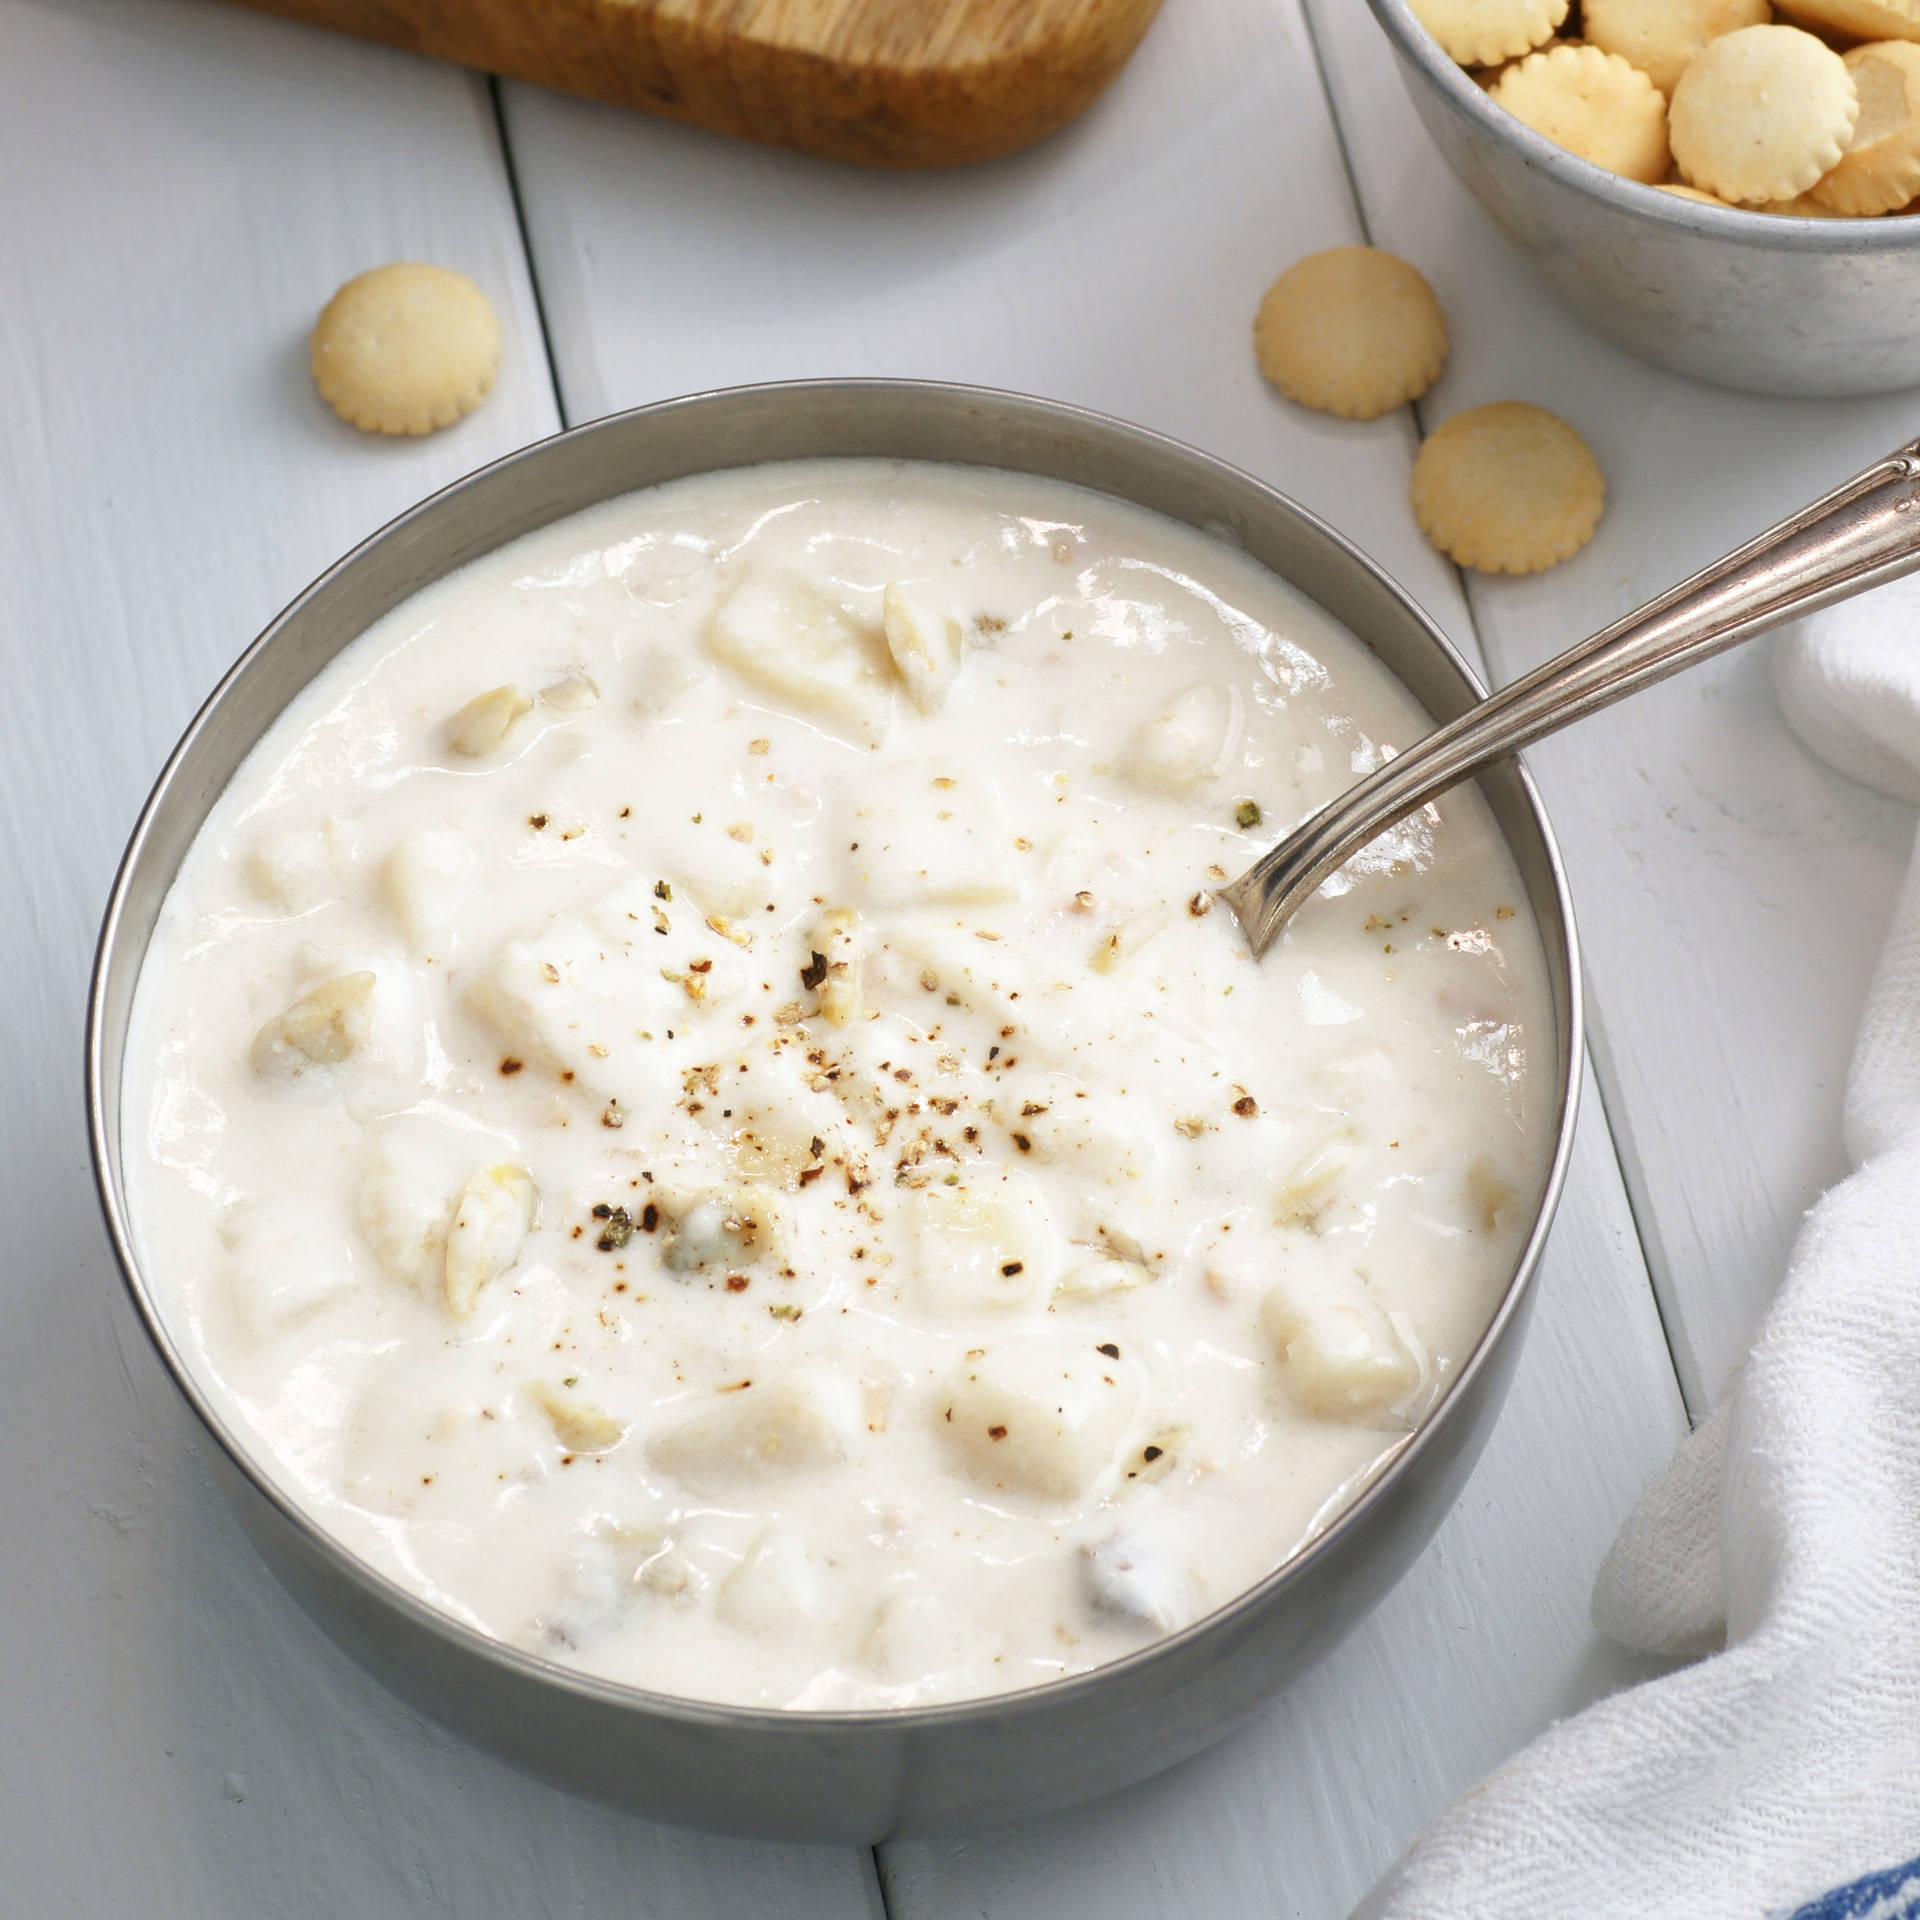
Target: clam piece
{"type": "Point", "coordinates": [579, 1426]}
{"type": "Point", "coordinates": [490, 1225]}
{"type": "Point", "coordinates": [834, 964]}
{"type": "Point", "coordinates": [1139, 1577]}
{"type": "Point", "coordinates": [1490, 1195]}
{"type": "Point", "coordinates": [320, 1029]}
{"type": "Point", "coordinates": [1121, 943]}
{"type": "Point", "coordinates": [486, 720]}
{"type": "Point", "coordinates": [573, 692]}
{"type": "Point", "coordinates": [1314, 1184]}
{"type": "Point", "coordinates": [722, 1227]}
{"type": "Point", "coordinates": [927, 647]}
{"type": "Point", "coordinates": [1096, 1278]}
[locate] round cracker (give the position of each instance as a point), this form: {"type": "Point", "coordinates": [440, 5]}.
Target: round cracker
{"type": "Point", "coordinates": [1661, 37]}
{"type": "Point", "coordinates": [1482, 33]}
{"type": "Point", "coordinates": [1594, 105]}
{"type": "Point", "coordinates": [1507, 488]}
{"type": "Point", "coordinates": [1880, 170]}
{"type": "Point", "coordinates": [1680, 192]}
{"type": "Point", "coordinates": [1487, 78]}
{"type": "Point", "coordinates": [1353, 331]}
{"type": "Point", "coordinates": [406, 348]}
{"type": "Point", "coordinates": [1762, 113]}
{"type": "Point", "coordinates": [1803, 206]}
{"type": "Point", "coordinates": [1863, 19]}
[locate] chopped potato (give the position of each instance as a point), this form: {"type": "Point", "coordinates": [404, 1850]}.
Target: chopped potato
{"type": "Point", "coordinates": [1049, 1419]}
{"type": "Point", "coordinates": [764, 1429]}
{"type": "Point", "coordinates": [578, 993]}
{"type": "Point", "coordinates": [1190, 741]}
{"type": "Point", "coordinates": [913, 1635]}
{"type": "Point", "coordinates": [283, 1264]}
{"type": "Point", "coordinates": [787, 637]}
{"type": "Point", "coordinates": [1093, 1134]}
{"type": "Point", "coordinates": [1341, 1356]}
{"type": "Point", "coordinates": [298, 868]}
{"type": "Point", "coordinates": [774, 1589]}
{"type": "Point", "coordinates": [430, 875]}
{"type": "Point", "coordinates": [927, 834]}
{"type": "Point", "coordinates": [984, 1243]}
{"type": "Point", "coordinates": [404, 1205]}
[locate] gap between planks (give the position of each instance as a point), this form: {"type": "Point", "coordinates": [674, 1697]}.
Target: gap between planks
{"type": "Point", "coordinates": [878, 1904]}
{"type": "Point", "coordinates": [504, 136]}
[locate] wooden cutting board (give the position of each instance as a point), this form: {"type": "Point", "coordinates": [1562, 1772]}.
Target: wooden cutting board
{"type": "Point", "coordinates": [885, 83]}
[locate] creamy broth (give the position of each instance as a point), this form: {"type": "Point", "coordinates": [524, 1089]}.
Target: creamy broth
{"type": "Point", "coordinates": [692, 1105]}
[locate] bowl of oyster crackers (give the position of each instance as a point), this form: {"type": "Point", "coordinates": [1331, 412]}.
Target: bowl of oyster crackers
{"type": "Point", "coordinates": [1728, 188]}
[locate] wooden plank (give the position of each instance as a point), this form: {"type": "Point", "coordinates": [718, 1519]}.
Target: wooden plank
{"type": "Point", "coordinates": [188, 184]}
{"type": "Point", "coordinates": [1483, 1643]}
{"type": "Point", "coordinates": [1733, 892]}
{"type": "Point", "coordinates": [1120, 266]}
{"type": "Point", "coordinates": [903, 83]}
{"type": "Point", "coordinates": [1115, 267]}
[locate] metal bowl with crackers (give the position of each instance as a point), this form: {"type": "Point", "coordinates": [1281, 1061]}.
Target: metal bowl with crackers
{"type": "Point", "coordinates": [1760, 302]}
{"type": "Point", "coordinates": [834, 1776]}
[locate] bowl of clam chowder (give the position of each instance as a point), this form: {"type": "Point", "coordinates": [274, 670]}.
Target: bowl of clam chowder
{"type": "Point", "coordinates": [668, 1084]}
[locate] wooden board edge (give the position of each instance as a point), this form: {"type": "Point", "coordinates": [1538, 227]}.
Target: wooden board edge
{"type": "Point", "coordinates": [885, 111]}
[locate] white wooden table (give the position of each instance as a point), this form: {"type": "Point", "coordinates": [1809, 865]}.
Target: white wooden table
{"type": "Point", "coordinates": [181, 186]}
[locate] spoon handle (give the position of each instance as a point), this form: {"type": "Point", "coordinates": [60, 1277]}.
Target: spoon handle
{"type": "Point", "coordinates": [1862, 533]}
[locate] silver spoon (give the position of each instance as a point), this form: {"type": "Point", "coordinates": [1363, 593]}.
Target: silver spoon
{"type": "Point", "coordinates": [1856, 537]}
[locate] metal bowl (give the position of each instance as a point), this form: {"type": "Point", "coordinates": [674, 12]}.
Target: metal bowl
{"type": "Point", "coordinates": [830, 1776]}
{"type": "Point", "coordinates": [1756, 301]}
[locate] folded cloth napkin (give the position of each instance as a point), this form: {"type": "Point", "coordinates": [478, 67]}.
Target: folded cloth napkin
{"type": "Point", "coordinates": [1781, 1775]}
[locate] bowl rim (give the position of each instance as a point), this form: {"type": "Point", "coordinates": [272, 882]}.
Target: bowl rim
{"type": "Point", "coordinates": [1744, 226]}
{"type": "Point", "coordinates": [688, 1711]}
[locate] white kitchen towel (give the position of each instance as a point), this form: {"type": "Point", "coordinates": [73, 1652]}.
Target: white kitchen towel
{"type": "Point", "coordinates": [1779, 1775]}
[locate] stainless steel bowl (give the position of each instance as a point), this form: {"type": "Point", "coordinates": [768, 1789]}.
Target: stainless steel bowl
{"type": "Point", "coordinates": [1755, 301]}
{"type": "Point", "coordinates": [830, 1776]}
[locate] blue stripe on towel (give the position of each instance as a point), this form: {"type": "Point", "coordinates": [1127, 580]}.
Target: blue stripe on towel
{"type": "Point", "coordinates": [1893, 1894]}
